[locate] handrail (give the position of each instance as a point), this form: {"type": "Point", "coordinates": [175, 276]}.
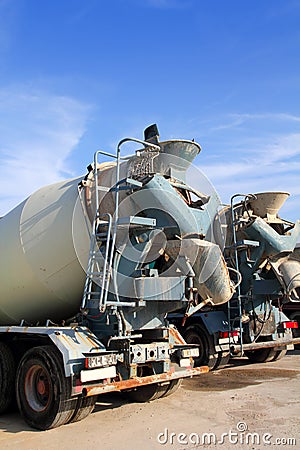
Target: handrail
{"type": "Point", "coordinates": [239, 294]}
{"type": "Point", "coordinates": [109, 254]}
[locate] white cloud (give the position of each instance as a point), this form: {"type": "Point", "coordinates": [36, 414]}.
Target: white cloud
{"type": "Point", "coordinates": [233, 121]}
{"type": "Point", "coordinates": [262, 155]}
{"type": "Point", "coordinates": [268, 116]}
{"type": "Point", "coordinates": [168, 4]}
{"type": "Point", "coordinates": [38, 131]}
{"type": "Point", "coordinates": [8, 17]}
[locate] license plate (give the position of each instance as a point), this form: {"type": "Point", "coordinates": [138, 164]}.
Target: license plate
{"type": "Point", "coordinates": [100, 361]}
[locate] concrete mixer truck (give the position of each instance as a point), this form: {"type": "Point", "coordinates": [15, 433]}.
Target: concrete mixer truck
{"type": "Point", "coordinates": [95, 269]}
{"type": "Point", "coordinates": [260, 319]}
{"type": "Point", "coordinates": [89, 268]}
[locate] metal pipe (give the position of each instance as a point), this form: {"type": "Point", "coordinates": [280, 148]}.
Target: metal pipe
{"type": "Point", "coordinates": [142, 381]}
{"type": "Point", "coordinates": [269, 344]}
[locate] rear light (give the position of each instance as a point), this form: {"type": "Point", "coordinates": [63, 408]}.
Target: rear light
{"type": "Point", "coordinates": [290, 324]}
{"type": "Point", "coordinates": [226, 334]}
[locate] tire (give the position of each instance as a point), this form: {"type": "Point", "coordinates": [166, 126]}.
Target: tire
{"type": "Point", "coordinates": [146, 393]}
{"type": "Point", "coordinates": [43, 391]}
{"type": "Point", "coordinates": [151, 392]}
{"type": "Point", "coordinates": [196, 334]}
{"type": "Point", "coordinates": [84, 407]}
{"type": "Point", "coordinates": [7, 378]}
{"type": "Point", "coordinates": [279, 354]}
{"type": "Point", "coordinates": [262, 355]}
{"type": "Point", "coordinates": [221, 360]}
{"type": "Point", "coordinates": [173, 387]}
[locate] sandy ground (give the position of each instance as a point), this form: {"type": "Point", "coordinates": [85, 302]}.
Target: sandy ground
{"type": "Point", "coordinates": [250, 405]}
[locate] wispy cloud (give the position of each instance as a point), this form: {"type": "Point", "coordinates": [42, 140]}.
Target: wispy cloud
{"type": "Point", "coordinates": [235, 120]}
{"type": "Point", "coordinates": [168, 4]}
{"type": "Point", "coordinates": [38, 131]}
{"type": "Point", "coordinates": [255, 153]}
{"type": "Point", "coordinates": [286, 8]}
{"type": "Point", "coordinates": [8, 17]}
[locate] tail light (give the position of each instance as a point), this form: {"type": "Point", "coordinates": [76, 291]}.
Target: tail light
{"type": "Point", "coordinates": [290, 324]}
{"type": "Point", "coordinates": [226, 334]}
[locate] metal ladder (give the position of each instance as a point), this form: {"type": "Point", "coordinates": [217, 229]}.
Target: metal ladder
{"type": "Point", "coordinates": [234, 222]}
{"type": "Point", "coordinates": [98, 271]}
{"type": "Point", "coordinates": [100, 268]}
{"type": "Point", "coordinates": [236, 245]}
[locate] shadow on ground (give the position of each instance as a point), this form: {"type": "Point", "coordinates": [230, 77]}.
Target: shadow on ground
{"type": "Point", "coordinates": [239, 373]}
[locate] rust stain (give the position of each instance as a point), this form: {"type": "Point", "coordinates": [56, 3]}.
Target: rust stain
{"type": "Point", "coordinates": [268, 344]}
{"type": "Point", "coordinates": [177, 336]}
{"type": "Point", "coordinates": [142, 381]}
{"type": "Point", "coordinates": [88, 340]}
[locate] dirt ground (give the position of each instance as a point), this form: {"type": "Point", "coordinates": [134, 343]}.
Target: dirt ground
{"type": "Point", "coordinates": [244, 406]}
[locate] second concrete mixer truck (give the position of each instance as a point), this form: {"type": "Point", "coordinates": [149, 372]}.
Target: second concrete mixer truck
{"type": "Point", "coordinates": [261, 248]}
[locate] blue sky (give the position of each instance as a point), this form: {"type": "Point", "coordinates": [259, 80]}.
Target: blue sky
{"type": "Point", "coordinates": [76, 76]}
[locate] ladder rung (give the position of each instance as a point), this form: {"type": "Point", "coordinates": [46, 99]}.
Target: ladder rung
{"type": "Point", "coordinates": [92, 293]}
{"type": "Point", "coordinates": [135, 220]}
{"type": "Point", "coordinates": [99, 268]}
{"type": "Point", "coordinates": [103, 188]}
{"type": "Point", "coordinates": [100, 279]}
{"type": "Point", "coordinates": [98, 274]}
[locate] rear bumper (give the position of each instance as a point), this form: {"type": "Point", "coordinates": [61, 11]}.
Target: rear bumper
{"type": "Point", "coordinates": [268, 344]}
{"type": "Point", "coordinates": [96, 389]}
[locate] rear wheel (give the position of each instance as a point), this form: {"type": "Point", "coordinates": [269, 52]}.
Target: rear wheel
{"type": "Point", "coordinates": [153, 391]}
{"type": "Point", "coordinates": [147, 393]}
{"type": "Point", "coordinates": [279, 354]}
{"type": "Point", "coordinates": [174, 385]}
{"type": "Point", "coordinates": [43, 391]}
{"type": "Point", "coordinates": [84, 407]}
{"type": "Point", "coordinates": [196, 334]}
{"type": "Point", "coordinates": [7, 377]}
{"type": "Point", "coordinates": [222, 360]}
{"type": "Point", "coordinates": [262, 355]}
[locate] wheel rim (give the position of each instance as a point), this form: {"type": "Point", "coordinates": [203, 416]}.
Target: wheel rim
{"type": "Point", "coordinates": [37, 387]}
